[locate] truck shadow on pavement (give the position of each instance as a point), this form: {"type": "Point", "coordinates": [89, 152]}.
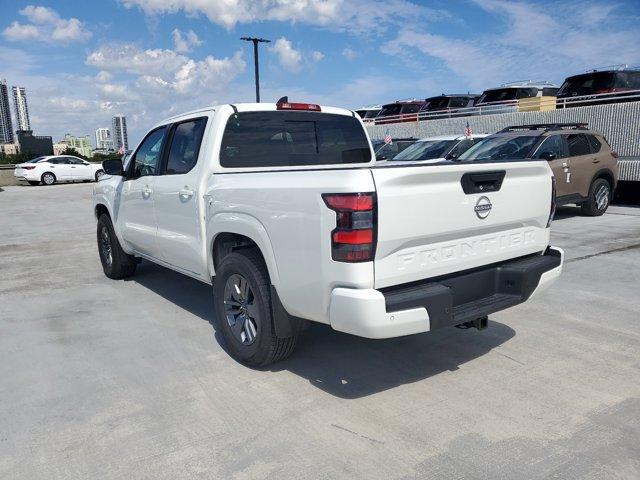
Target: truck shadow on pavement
{"type": "Point", "coordinates": [343, 365]}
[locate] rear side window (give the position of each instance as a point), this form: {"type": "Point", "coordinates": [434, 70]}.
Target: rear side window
{"type": "Point", "coordinates": [410, 108]}
{"type": "Point", "coordinates": [578, 145]}
{"type": "Point", "coordinates": [555, 144]}
{"type": "Point", "coordinates": [185, 145]}
{"type": "Point", "coordinates": [527, 92]}
{"type": "Point", "coordinates": [595, 143]}
{"type": "Point", "coordinates": [281, 139]}
{"type": "Point", "coordinates": [627, 80]}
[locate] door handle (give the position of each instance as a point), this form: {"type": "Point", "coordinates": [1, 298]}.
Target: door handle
{"type": "Point", "coordinates": [595, 160]}
{"type": "Point", "coordinates": [186, 193]}
{"type": "Point", "coordinates": [146, 191]}
{"type": "Point", "coordinates": [73, 167]}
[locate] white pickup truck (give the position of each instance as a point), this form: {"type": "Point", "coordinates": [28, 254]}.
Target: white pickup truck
{"type": "Point", "coordinates": [283, 209]}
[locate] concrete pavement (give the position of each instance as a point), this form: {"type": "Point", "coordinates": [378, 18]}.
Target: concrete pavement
{"type": "Point", "coordinates": [126, 379]}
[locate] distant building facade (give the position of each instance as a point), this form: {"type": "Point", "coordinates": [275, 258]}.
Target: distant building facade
{"type": "Point", "coordinates": [103, 139]}
{"type": "Point", "coordinates": [9, 148]}
{"type": "Point", "coordinates": [119, 133]}
{"type": "Point", "coordinates": [34, 145]}
{"type": "Point", "coordinates": [6, 127]}
{"type": "Point", "coordinates": [82, 145]}
{"type": "Point", "coordinates": [21, 108]}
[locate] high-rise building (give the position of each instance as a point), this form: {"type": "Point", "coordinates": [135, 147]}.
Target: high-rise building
{"type": "Point", "coordinates": [119, 133]}
{"type": "Point", "coordinates": [82, 145]}
{"type": "Point", "coordinates": [103, 139]}
{"type": "Point", "coordinates": [22, 111]}
{"type": "Point", "coordinates": [6, 127]}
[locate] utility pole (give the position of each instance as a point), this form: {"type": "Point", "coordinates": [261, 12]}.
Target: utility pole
{"type": "Point", "coordinates": [255, 59]}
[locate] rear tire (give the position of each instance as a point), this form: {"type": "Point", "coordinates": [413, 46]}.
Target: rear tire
{"type": "Point", "coordinates": [243, 310]}
{"type": "Point", "coordinates": [33, 182]}
{"type": "Point", "coordinates": [48, 178]}
{"type": "Point", "coordinates": [116, 263]}
{"type": "Point", "coordinates": [600, 194]}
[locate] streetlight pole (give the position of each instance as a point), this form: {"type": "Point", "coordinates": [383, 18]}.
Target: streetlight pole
{"type": "Point", "coordinates": [255, 60]}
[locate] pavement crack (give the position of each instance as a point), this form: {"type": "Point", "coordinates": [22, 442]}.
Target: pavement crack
{"type": "Point", "coordinates": [606, 252]}
{"type": "Point", "coordinates": [373, 440]}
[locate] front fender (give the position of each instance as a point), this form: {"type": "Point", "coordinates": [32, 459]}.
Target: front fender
{"type": "Point", "coordinates": [108, 192]}
{"type": "Point", "coordinates": [242, 224]}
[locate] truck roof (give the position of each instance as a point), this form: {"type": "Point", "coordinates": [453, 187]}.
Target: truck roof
{"type": "Point", "coordinates": [250, 107]}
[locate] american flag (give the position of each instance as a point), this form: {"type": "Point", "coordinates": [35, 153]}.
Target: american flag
{"type": "Point", "coordinates": [387, 138]}
{"type": "Point", "coordinates": [467, 131]}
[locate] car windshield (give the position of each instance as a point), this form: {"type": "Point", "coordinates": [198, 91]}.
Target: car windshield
{"type": "Point", "coordinates": [391, 110]}
{"type": "Point", "coordinates": [425, 150]}
{"type": "Point", "coordinates": [498, 95]}
{"type": "Point", "coordinates": [586, 84]}
{"type": "Point", "coordinates": [501, 147]}
{"type": "Point", "coordinates": [436, 103]}
{"type": "Point", "coordinates": [371, 113]}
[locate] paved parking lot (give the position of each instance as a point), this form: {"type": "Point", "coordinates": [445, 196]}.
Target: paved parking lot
{"type": "Point", "coordinates": [126, 379]}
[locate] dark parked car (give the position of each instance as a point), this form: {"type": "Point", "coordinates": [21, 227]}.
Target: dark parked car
{"type": "Point", "coordinates": [369, 113]}
{"type": "Point", "coordinates": [599, 87]}
{"type": "Point", "coordinates": [388, 151]}
{"type": "Point", "coordinates": [400, 111]}
{"type": "Point", "coordinates": [445, 106]}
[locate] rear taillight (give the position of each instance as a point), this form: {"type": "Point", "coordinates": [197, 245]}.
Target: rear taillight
{"type": "Point", "coordinates": [354, 238]}
{"type": "Point", "coordinates": [552, 210]}
{"type": "Point", "coordinates": [27, 168]}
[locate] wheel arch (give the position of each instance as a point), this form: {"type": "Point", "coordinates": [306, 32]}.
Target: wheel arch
{"type": "Point", "coordinates": [606, 174]}
{"type": "Point", "coordinates": [230, 232]}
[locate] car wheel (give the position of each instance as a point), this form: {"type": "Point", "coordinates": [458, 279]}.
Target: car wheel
{"type": "Point", "coordinates": [99, 174]}
{"type": "Point", "coordinates": [48, 178]}
{"type": "Point", "coordinates": [243, 311]}
{"type": "Point", "coordinates": [34, 182]}
{"type": "Point", "coordinates": [599, 198]}
{"type": "Point", "coordinates": [116, 263]}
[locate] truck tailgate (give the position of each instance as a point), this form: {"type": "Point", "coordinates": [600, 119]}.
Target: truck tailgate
{"type": "Point", "coordinates": [429, 226]}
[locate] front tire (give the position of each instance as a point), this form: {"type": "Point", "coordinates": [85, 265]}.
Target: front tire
{"type": "Point", "coordinates": [116, 263]}
{"type": "Point", "coordinates": [48, 178]}
{"type": "Point", "coordinates": [242, 297]}
{"type": "Point", "coordinates": [599, 198]}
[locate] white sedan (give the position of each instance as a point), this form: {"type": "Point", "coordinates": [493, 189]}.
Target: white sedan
{"type": "Point", "coordinates": [58, 168]}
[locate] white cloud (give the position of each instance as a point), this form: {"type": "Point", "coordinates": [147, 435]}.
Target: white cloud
{"type": "Point", "coordinates": [535, 44]}
{"type": "Point", "coordinates": [17, 32]}
{"type": "Point", "coordinates": [290, 59]}
{"type": "Point", "coordinates": [349, 53]}
{"type": "Point", "coordinates": [316, 56]}
{"type": "Point", "coordinates": [355, 16]}
{"type": "Point", "coordinates": [159, 69]}
{"type": "Point", "coordinates": [46, 26]}
{"type": "Point", "coordinates": [184, 41]}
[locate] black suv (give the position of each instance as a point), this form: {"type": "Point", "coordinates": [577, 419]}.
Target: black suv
{"type": "Point", "coordinates": [449, 105]}
{"type": "Point", "coordinates": [600, 87]}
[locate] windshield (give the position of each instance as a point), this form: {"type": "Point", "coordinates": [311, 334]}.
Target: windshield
{"type": "Point", "coordinates": [390, 110]}
{"type": "Point", "coordinates": [371, 113]}
{"type": "Point", "coordinates": [586, 84]}
{"type": "Point", "coordinates": [499, 95]}
{"type": "Point", "coordinates": [501, 147]}
{"type": "Point", "coordinates": [436, 103]}
{"type": "Point", "coordinates": [426, 150]}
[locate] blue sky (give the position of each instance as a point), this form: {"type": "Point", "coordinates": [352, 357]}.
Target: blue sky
{"type": "Point", "coordinates": [81, 62]}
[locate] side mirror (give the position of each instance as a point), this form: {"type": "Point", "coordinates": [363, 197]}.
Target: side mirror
{"type": "Point", "coordinates": [451, 156]}
{"type": "Point", "coordinates": [548, 156]}
{"type": "Point", "coordinates": [113, 167]}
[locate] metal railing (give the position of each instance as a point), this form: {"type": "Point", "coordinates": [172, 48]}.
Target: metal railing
{"type": "Point", "coordinates": [509, 106]}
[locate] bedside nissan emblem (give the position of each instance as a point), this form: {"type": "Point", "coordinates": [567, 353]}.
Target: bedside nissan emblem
{"type": "Point", "coordinates": [483, 207]}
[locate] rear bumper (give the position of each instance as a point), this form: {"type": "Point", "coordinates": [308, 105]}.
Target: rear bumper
{"type": "Point", "coordinates": [440, 302]}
